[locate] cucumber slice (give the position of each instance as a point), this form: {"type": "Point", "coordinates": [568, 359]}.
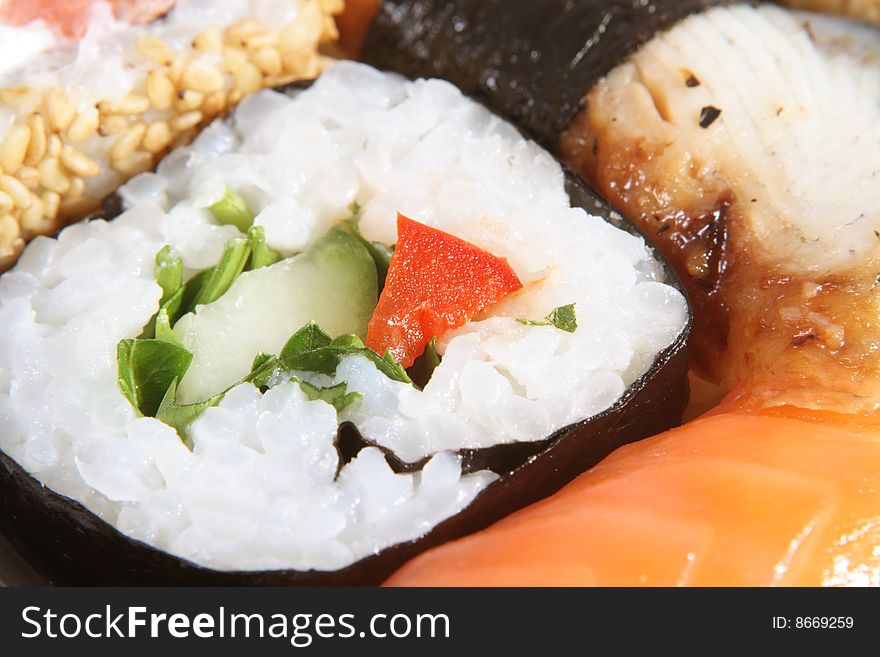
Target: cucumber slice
{"type": "Point", "coordinates": [333, 283]}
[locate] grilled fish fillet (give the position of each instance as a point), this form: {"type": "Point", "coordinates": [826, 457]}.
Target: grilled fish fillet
{"type": "Point", "coordinates": [746, 142]}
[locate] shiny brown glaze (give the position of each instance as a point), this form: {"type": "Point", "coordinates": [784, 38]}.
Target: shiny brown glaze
{"type": "Point", "coordinates": [783, 333]}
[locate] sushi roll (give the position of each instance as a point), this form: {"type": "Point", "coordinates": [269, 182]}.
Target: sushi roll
{"type": "Point", "coordinates": [93, 92]}
{"type": "Point", "coordinates": [352, 321]}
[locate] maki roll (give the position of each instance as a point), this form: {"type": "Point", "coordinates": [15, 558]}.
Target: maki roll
{"type": "Point", "coordinates": [93, 92]}
{"type": "Point", "coordinates": [345, 324]}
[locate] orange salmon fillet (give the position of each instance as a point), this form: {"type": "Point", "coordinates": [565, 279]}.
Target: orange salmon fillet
{"type": "Point", "coordinates": [778, 497]}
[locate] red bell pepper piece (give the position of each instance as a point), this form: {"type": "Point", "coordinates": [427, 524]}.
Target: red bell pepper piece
{"type": "Point", "coordinates": [436, 282]}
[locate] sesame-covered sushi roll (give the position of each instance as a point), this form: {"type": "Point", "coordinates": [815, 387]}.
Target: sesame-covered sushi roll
{"type": "Point", "coordinates": [93, 92]}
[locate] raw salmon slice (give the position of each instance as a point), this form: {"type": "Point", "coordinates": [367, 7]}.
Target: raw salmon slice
{"type": "Point", "coordinates": [781, 497]}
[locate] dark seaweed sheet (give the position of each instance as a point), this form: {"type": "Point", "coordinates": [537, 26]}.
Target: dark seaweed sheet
{"type": "Point", "coordinates": [69, 545]}
{"type": "Point", "coordinates": [531, 62]}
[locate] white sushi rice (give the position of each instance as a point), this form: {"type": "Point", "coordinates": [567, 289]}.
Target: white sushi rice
{"type": "Point", "coordinates": [258, 489]}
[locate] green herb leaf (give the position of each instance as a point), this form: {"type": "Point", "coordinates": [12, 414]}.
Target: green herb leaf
{"type": "Point", "coordinates": [563, 318]}
{"type": "Point", "coordinates": [187, 295]}
{"type": "Point", "coordinates": [323, 360]}
{"type": "Point", "coordinates": [261, 254]}
{"type": "Point", "coordinates": [147, 368]}
{"type": "Point", "coordinates": [169, 272]}
{"type": "Point", "coordinates": [308, 338]}
{"type": "Point", "coordinates": [259, 360]}
{"type": "Point", "coordinates": [163, 329]}
{"type": "Point", "coordinates": [349, 341]}
{"type": "Point", "coordinates": [422, 370]}
{"type": "Point", "coordinates": [381, 253]}
{"type": "Point", "coordinates": [393, 369]}
{"type": "Point", "coordinates": [431, 356]}
{"type": "Point", "coordinates": [179, 417]}
{"type": "Point", "coordinates": [311, 350]}
{"type": "Point", "coordinates": [262, 370]}
{"type": "Point", "coordinates": [174, 305]}
{"type": "Point", "coordinates": [169, 276]}
{"type": "Point", "coordinates": [337, 396]}
{"type": "Point", "coordinates": [233, 210]}
{"type": "Point", "coordinates": [125, 373]}
{"type": "Point", "coordinates": [223, 274]}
